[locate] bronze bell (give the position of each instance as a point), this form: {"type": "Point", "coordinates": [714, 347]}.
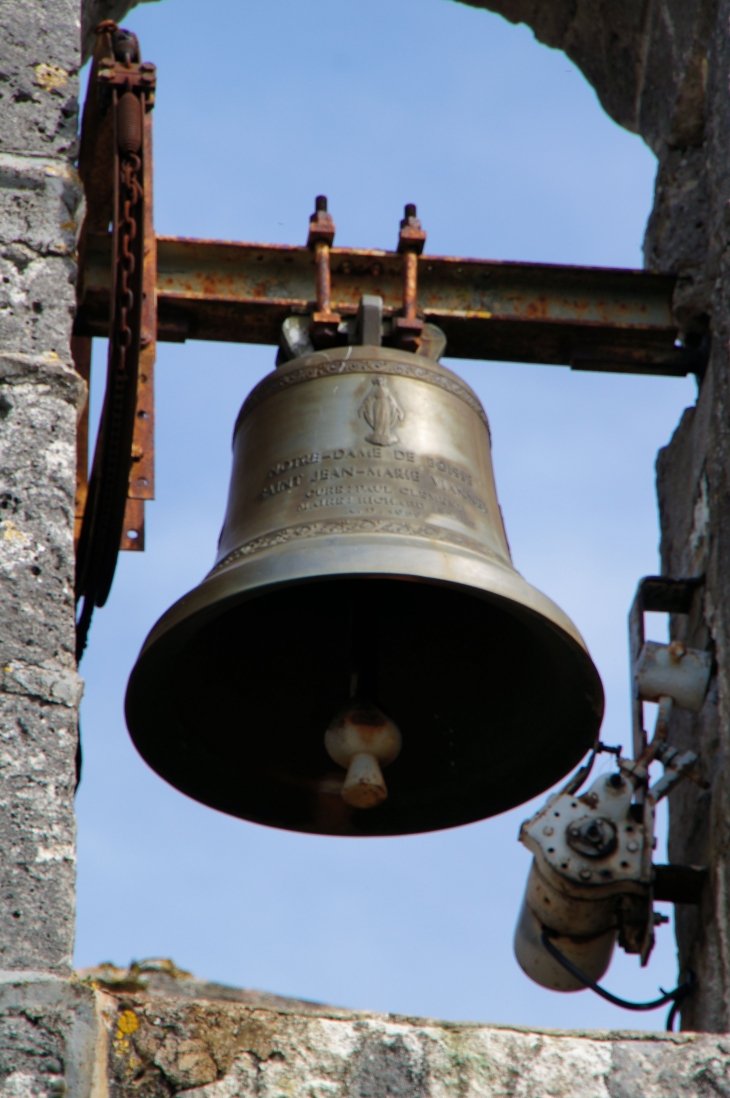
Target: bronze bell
{"type": "Point", "coordinates": [364, 590]}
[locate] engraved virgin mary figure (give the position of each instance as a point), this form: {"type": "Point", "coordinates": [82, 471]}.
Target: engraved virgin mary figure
{"type": "Point", "coordinates": [381, 411]}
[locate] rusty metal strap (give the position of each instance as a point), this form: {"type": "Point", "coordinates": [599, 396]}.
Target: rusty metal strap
{"type": "Point", "coordinates": [115, 167]}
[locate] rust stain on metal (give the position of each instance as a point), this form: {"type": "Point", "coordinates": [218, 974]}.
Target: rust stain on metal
{"type": "Point", "coordinates": [539, 307]}
{"type": "Point", "coordinates": [587, 317]}
{"type": "Point", "coordinates": [142, 473]}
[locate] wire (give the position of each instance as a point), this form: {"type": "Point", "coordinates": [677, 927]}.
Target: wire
{"type": "Point", "coordinates": [673, 1013]}
{"type": "Point", "coordinates": [581, 775]}
{"type": "Point", "coordinates": [675, 997]}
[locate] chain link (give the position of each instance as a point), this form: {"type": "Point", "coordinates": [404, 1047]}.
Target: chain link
{"type": "Point", "coordinates": [130, 167]}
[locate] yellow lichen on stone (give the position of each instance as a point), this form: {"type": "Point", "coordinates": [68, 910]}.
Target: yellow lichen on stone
{"type": "Point", "coordinates": [50, 76]}
{"type": "Point", "coordinates": [12, 533]}
{"type": "Point", "coordinates": [128, 1023]}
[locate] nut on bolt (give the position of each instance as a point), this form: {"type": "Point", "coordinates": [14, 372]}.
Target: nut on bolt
{"type": "Point", "coordinates": [323, 329]}
{"type": "Point", "coordinates": [593, 837]}
{"type": "Point", "coordinates": [321, 225]}
{"type": "Point", "coordinates": [411, 240]}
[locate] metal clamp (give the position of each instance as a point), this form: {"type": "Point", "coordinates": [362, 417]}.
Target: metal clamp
{"type": "Point", "coordinates": [663, 670]}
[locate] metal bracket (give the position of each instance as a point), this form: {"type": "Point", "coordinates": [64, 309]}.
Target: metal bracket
{"type": "Point", "coordinates": [115, 165]}
{"type": "Point", "coordinates": [657, 594]}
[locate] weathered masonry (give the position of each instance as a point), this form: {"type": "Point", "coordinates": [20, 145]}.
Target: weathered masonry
{"type": "Point", "coordinates": [660, 68]}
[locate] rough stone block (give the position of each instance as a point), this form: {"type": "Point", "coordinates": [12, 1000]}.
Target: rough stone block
{"type": "Point", "coordinates": [40, 208]}
{"type": "Point", "coordinates": [39, 63]}
{"type": "Point", "coordinates": [166, 1045]}
{"type": "Point", "coordinates": [40, 688]}
{"type": "Point", "coordinates": [39, 398]}
{"type": "Point", "coordinates": [603, 37]}
{"type": "Point", "coordinates": [37, 833]}
{"type": "Point", "coordinates": [671, 92]}
{"type": "Point", "coordinates": [40, 204]}
{"type": "Point", "coordinates": [51, 1037]}
{"type": "Point", "coordinates": [678, 233]}
{"type": "Point", "coordinates": [37, 301]}
{"type": "Point", "coordinates": [647, 61]}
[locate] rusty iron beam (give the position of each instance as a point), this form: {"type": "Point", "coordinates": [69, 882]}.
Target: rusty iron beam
{"type": "Point", "coordinates": [590, 318]}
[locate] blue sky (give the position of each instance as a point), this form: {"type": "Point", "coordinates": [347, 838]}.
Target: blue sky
{"type": "Point", "coordinates": [508, 154]}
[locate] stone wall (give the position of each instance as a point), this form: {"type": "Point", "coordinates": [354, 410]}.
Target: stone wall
{"type": "Point", "coordinates": [40, 202]}
{"type": "Point", "coordinates": [161, 1034]}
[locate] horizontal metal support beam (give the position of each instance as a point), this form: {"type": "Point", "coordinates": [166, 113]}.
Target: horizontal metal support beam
{"type": "Point", "coordinates": [590, 318]}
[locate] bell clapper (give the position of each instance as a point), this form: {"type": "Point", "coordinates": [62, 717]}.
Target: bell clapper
{"type": "Point", "coordinates": [362, 738]}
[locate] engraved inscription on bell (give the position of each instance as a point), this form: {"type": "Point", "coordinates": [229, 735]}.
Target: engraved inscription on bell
{"type": "Point", "coordinates": [382, 412]}
{"type": "Point", "coordinates": [400, 489]}
{"type": "Point", "coordinates": [399, 483]}
{"type": "Point", "coordinates": [363, 600]}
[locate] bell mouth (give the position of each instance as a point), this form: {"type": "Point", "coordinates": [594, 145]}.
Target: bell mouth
{"type": "Point", "coordinates": [230, 701]}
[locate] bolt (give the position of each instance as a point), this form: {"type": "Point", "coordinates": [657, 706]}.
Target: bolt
{"type": "Point", "coordinates": [320, 203]}
{"type": "Point", "coordinates": [548, 830]}
{"type": "Point", "coordinates": [585, 874]}
{"type": "Point", "coordinates": [410, 210]}
{"type": "Point", "coordinates": [593, 837]}
{"type": "Point", "coordinates": [632, 847]}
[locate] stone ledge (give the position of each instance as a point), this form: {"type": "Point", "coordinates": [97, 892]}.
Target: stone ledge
{"type": "Point", "coordinates": [234, 1043]}
{"type": "Point", "coordinates": [79, 1038]}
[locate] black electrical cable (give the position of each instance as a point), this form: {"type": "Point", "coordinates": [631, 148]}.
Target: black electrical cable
{"type": "Point", "coordinates": [675, 997]}
{"type": "Point", "coordinates": [673, 1014]}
